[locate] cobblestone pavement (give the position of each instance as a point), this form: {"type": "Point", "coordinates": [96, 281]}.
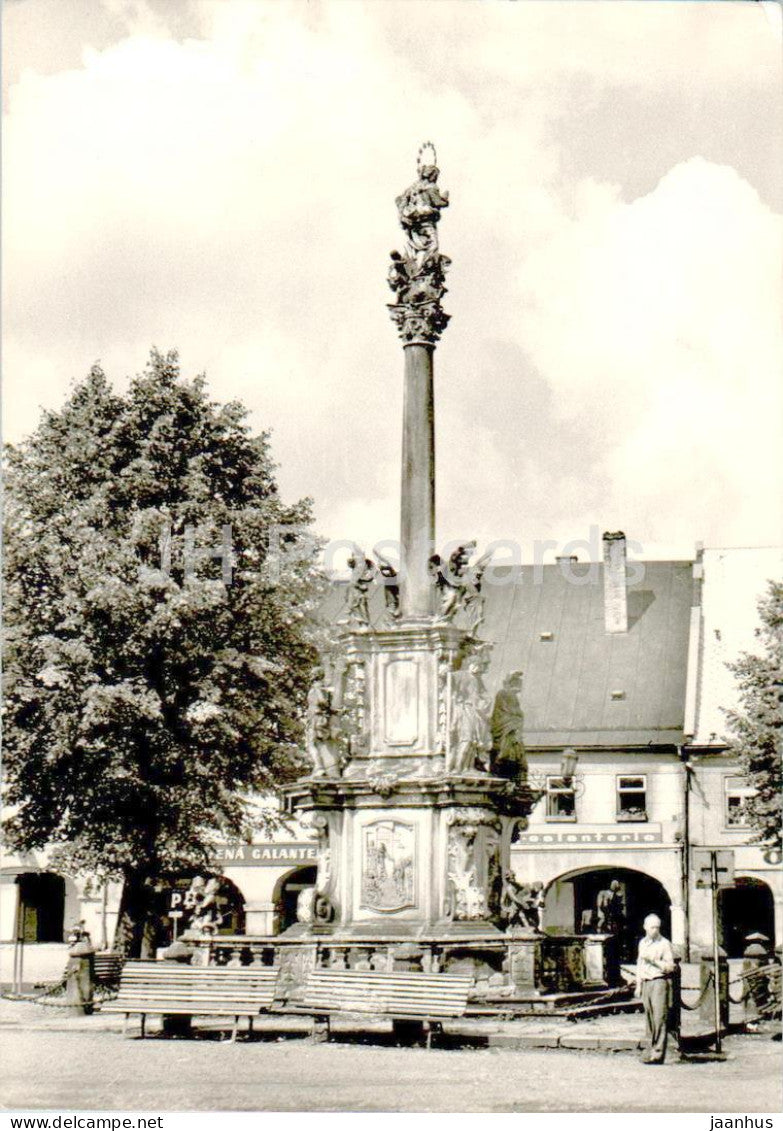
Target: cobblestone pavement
{"type": "Point", "coordinates": [94, 1070]}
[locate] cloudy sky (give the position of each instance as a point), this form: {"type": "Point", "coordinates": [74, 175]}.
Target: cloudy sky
{"type": "Point", "coordinates": [219, 176]}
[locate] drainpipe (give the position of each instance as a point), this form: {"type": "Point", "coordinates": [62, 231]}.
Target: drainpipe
{"type": "Point", "coordinates": [683, 753]}
{"type": "Point", "coordinates": [691, 709]}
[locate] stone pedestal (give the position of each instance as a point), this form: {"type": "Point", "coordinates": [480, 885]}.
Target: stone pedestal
{"type": "Point", "coordinates": [407, 856]}
{"type": "Point", "coordinates": [411, 836]}
{"type": "Point", "coordinates": [80, 978]}
{"type": "Point", "coordinates": [525, 961]}
{"type": "Point", "coordinates": [601, 961]}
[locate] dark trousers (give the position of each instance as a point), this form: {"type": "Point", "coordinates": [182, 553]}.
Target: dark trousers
{"type": "Point", "coordinates": [656, 1001]}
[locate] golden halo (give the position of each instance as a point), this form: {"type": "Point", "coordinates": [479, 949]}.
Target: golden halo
{"type": "Point", "coordinates": [424, 146]}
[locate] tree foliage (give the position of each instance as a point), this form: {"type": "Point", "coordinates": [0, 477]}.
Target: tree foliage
{"type": "Point", "coordinates": [149, 704]}
{"type": "Point", "coordinates": [757, 729]}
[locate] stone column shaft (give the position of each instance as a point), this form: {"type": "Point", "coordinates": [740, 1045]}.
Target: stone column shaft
{"type": "Point", "coordinates": [417, 525]}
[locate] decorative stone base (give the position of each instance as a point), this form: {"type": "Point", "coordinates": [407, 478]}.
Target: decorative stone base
{"type": "Point", "coordinates": [513, 966]}
{"type": "Point", "coordinates": [409, 856]}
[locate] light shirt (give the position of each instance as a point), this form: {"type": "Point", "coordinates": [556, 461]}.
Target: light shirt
{"type": "Point", "coordinates": [652, 951]}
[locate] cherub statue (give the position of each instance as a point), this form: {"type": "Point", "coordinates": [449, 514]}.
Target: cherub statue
{"type": "Point", "coordinates": [520, 904]}
{"type": "Point", "coordinates": [207, 917]}
{"type": "Point", "coordinates": [418, 281]}
{"type": "Point", "coordinates": [460, 586]}
{"type": "Point", "coordinates": [201, 901]}
{"type": "Point", "coordinates": [399, 275]}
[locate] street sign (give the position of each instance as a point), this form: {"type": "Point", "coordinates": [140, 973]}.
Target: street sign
{"type": "Point", "coordinates": [724, 870]}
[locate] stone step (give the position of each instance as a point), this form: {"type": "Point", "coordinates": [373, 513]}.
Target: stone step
{"type": "Point", "coordinates": [554, 1004]}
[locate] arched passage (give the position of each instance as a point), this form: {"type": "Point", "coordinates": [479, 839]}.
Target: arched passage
{"type": "Point", "coordinates": [746, 908]}
{"type": "Point", "coordinates": [229, 901]}
{"type": "Point", "coordinates": [287, 891]}
{"type": "Point", "coordinates": [46, 906]}
{"type": "Point", "coordinates": [572, 902]}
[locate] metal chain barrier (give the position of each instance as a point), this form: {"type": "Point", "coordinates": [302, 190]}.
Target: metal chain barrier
{"type": "Point", "coordinates": [702, 994]}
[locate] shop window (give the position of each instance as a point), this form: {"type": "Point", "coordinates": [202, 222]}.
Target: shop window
{"type": "Point", "coordinates": [631, 797]}
{"type": "Point", "coordinates": [737, 794]}
{"type": "Point", "coordinates": [560, 799]}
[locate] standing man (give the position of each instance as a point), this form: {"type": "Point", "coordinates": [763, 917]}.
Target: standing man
{"type": "Point", "coordinates": [654, 970]}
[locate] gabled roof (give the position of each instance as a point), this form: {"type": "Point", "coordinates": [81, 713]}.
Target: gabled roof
{"type": "Point", "coordinates": [569, 679]}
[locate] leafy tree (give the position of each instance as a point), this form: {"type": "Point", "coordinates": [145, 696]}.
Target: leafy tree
{"type": "Point", "coordinates": [149, 705]}
{"type": "Point", "coordinates": [758, 727]}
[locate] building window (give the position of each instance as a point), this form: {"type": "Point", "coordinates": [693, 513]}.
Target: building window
{"type": "Point", "coordinates": [737, 794]}
{"type": "Point", "coordinates": [560, 800]}
{"type": "Point", "coordinates": [632, 798]}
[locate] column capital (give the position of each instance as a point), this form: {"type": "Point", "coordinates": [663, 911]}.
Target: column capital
{"type": "Point", "coordinates": [419, 324]}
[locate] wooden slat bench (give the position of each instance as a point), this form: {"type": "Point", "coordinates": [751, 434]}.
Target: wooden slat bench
{"type": "Point", "coordinates": [107, 968]}
{"type": "Point", "coordinates": [415, 1002]}
{"type": "Point", "coordinates": [176, 989]}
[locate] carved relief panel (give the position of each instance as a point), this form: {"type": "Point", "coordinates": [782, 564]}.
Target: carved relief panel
{"type": "Point", "coordinates": [388, 868]}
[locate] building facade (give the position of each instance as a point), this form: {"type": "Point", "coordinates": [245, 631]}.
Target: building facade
{"type": "Point", "coordinates": [624, 687]}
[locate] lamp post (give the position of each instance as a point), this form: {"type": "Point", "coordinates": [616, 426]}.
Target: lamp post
{"type": "Point", "coordinates": [568, 764]}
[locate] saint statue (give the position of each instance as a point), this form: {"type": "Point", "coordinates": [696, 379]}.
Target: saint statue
{"type": "Point", "coordinates": [417, 275]}
{"type": "Point", "coordinates": [419, 209]}
{"type": "Point", "coordinates": [358, 598]}
{"type": "Point", "coordinates": [508, 725]}
{"type": "Point", "coordinates": [470, 733]}
{"type": "Point", "coordinates": [322, 729]}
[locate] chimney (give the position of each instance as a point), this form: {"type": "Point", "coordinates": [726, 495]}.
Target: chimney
{"type": "Point", "coordinates": [615, 593]}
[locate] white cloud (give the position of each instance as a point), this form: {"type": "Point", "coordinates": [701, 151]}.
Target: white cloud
{"type": "Point", "coordinates": [659, 321]}
{"type": "Point", "coordinates": [230, 192]}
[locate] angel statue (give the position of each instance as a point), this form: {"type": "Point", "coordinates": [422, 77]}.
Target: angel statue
{"type": "Point", "coordinates": [460, 586]}
{"type": "Point", "coordinates": [391, 585]}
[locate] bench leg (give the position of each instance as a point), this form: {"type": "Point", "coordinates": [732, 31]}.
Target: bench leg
{"type": "Point", "coordinates": [234, 1031]}
{"type": "Point", "coordinates": [143, 1024]}
{"type": "Point", "coordinates": [125, 1026]}
{"type": "Point", "coordinates": [319, 1030]}
{"type": "Point", "coordinates": [408, 1033]}
{"type": "Point", "coordinates": [432, 1029]}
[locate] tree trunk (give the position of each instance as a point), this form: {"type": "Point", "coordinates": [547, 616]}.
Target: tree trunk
{"type": "Point", "coordinates": [138, 922]}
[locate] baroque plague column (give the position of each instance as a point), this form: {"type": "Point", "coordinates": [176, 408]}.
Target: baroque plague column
{"type": "Point", "coordinates": [410, 818]}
